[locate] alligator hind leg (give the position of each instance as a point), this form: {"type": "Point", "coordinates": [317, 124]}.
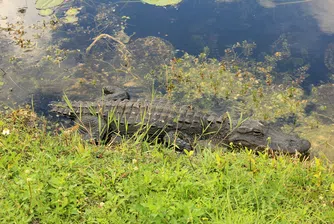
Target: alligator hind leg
{"type": "Point", "coordinates": [115, 93]}
{"type": "Point", "coordinates": [92, 128]}
{"type": "Point", "coordinates": [178, 140]}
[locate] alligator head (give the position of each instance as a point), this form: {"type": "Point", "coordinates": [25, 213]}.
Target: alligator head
{"type": "Point", "coordinates": [258, 136]}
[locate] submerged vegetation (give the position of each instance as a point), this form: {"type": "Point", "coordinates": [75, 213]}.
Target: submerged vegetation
{"type": "Point", "coordinates": [235, 83]}
{"type": "Point", "coordinates": [215, 84]}
{"type": "Point", "coordinates": [253, 88]}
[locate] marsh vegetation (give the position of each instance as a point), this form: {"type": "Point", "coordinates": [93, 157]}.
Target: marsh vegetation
{"type": "Point", "coordinates": [49, 174]}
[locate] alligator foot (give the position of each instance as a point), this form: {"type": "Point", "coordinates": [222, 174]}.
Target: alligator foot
{"type": "Point", "coordinates": [178, 140]}
{"type": "Point", "coordinates": [92, 128]}
{"type": "Point", "coordinates": [115, 93]}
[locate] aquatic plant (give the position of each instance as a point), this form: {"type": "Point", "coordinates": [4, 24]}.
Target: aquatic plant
{"type": "Point", "coordinates": [319, 124]}
{"type": "Point", "coordinates": [47, 4]}
{"type": "Point", "coordinates": [162, 2]}
{"type": "Point", "coordinates": [322, 99]}
{"type": "Point", "coordinates": [45, 12]}
{"type": "Point", "coordinates": [132, 60]}
{"type": "Point", "coordinates": [45, 7]}
{"type": "Point", "coordinates": [235, 84]}
{"type": "Point", "coordinates": [321, 138]}
{"type": "Point", "coordinates": [71, 15]}
{"type": "Point", "coordinates": [17, 32]}
{"type": "Point", "coordinates": [49, 64]}
{"type": "Point", "coordinates": [329, 57]}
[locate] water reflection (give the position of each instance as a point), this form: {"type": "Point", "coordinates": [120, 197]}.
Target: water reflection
{"type": "Point", "coordinates": [17, 10]}
{"type": "Point", "coordinates": [323, 11]}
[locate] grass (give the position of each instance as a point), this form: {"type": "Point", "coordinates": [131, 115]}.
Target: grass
{"type": "Point", "coordinates": [47, 178]}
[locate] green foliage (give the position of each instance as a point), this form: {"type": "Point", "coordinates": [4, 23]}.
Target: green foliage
{"type": "Point", "coordinates": [60, 179]}
{"type": "Point", "coordinates": [71, 15]}
{"type": "Point", "coordinates": [47, 4]}
{"type": "Point", "coordinates": [45, 12]}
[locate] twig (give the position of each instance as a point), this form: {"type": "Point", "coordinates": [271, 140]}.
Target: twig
{"type": "Point", "coordinates": [100, 37]}
{"type": "Point", "coordinates": [4, 73]}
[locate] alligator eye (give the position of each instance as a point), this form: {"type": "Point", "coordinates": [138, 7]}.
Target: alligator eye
{"type": "Point", "coordinates": [257, 132]}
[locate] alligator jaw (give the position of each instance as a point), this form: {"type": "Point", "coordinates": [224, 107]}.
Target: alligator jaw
{"type": "Point", "coordinates": [301, 146]}
{"type": "Point", "coordinates": [259, 136]}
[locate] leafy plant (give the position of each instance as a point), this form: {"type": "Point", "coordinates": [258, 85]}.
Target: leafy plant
{"type": "Point", "coordinates": [47, 4]}
{"type": "Point", "coordinates": [162, 2]}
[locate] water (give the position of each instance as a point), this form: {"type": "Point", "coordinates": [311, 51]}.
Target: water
{"type": "Point", "coordinates": [43, 57]}
{"type": "Point", "coordinates": [232, 22]}
{"type": "Point", "coordinates": [192, 25]}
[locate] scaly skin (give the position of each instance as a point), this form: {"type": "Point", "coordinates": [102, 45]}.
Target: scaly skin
{"type": "Point", "coordinates": [175, 124]}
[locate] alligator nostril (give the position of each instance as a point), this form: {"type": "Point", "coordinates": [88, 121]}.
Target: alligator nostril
{"type": "Point", "coordinates": [292, 142]}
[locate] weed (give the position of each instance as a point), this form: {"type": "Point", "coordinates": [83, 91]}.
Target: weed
{"type": "Point", "coordinates": [46, 179]}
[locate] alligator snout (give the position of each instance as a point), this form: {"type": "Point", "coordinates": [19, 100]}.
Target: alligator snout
{"type": "Point", "coordinates": [258, 136]}
{"type": "Point", "coordinates": [301, 146]}
{"type": "Point", "coordinates": [290, 144]}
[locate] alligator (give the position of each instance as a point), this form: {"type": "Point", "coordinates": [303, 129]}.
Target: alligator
{"type": "Point", "coordinates": [178, 125]}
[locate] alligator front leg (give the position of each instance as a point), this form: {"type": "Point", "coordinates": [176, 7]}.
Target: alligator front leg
{"type": "Point", "coordinates": [115, 93]}
{"type": "Point", "coordinates": [92, 128]}
{"type": "Point", "coordinates": [178, 140]}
